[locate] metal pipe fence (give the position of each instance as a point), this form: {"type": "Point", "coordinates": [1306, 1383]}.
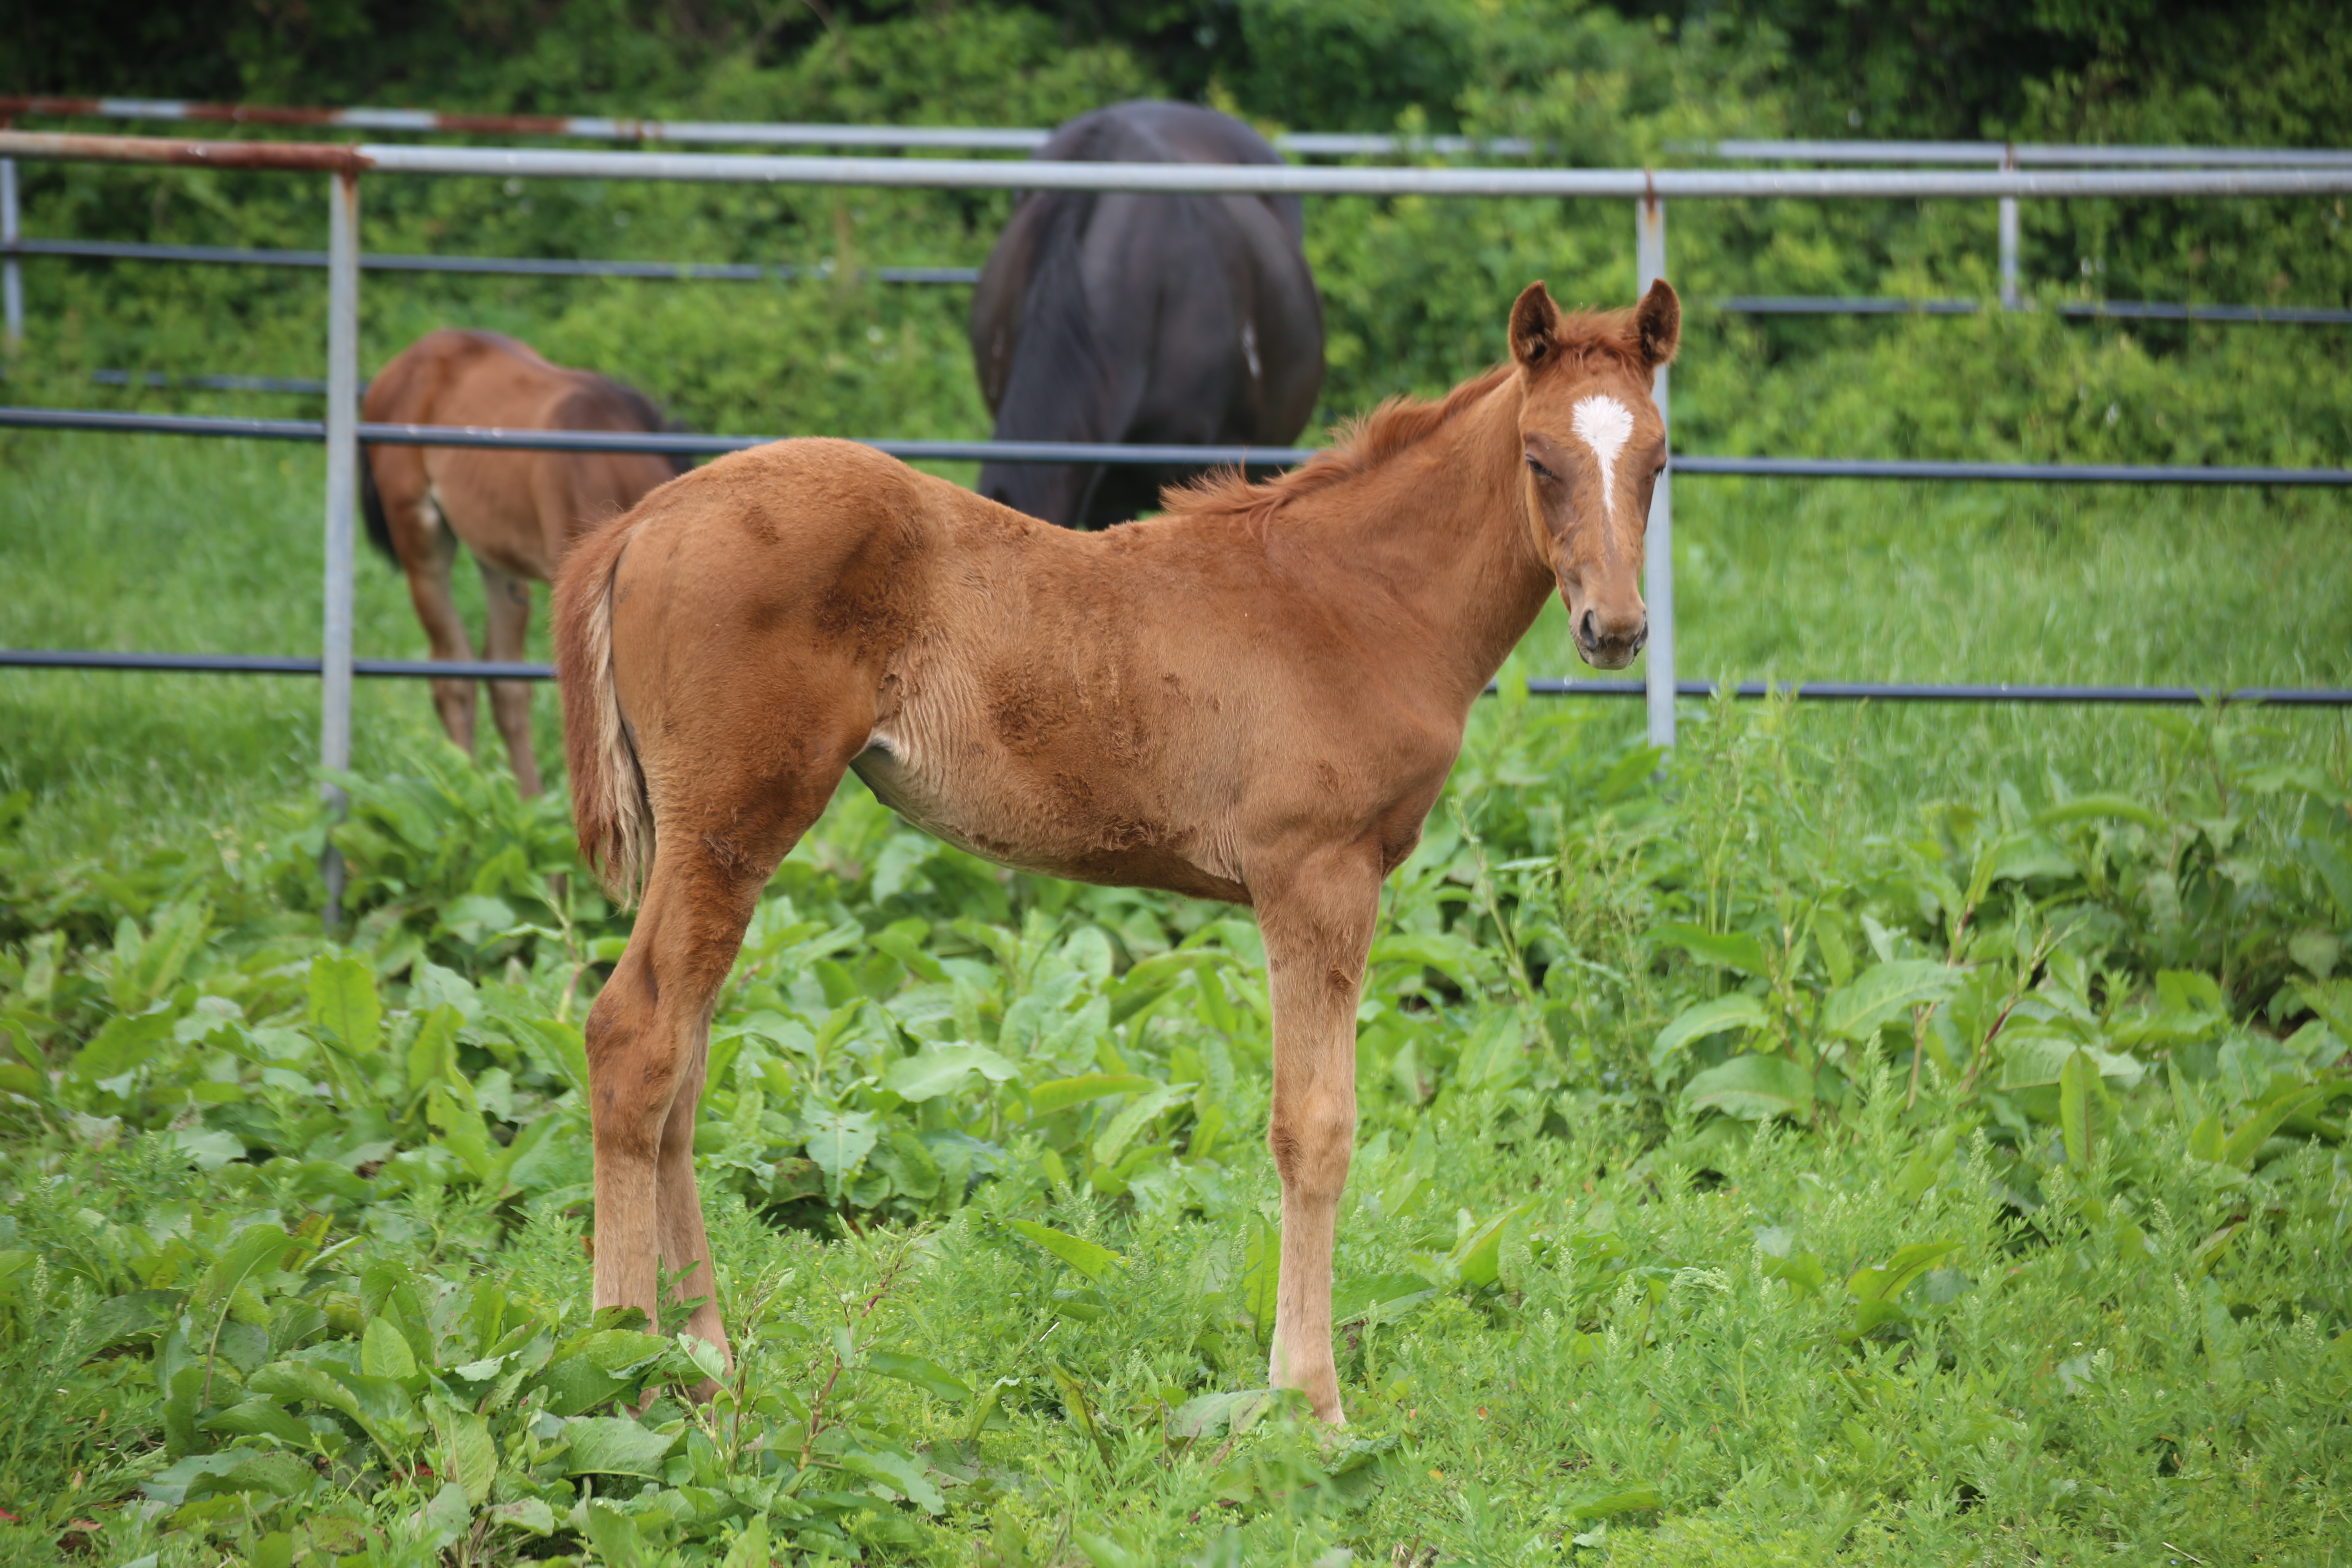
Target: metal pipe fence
{"type": "Point", "coordinates": [780, 272]}
{"type": "Point", "coordinates": [2227, 179]}
{"type": "Point", "coordinates": [1648, 189]}
{"type": "Point", "coordinates": [680, 443]}
{"type": "Point", "coordinates": [493, 266]}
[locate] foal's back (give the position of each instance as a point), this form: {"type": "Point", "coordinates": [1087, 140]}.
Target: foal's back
{"type": "Point", "coordinates": [1093, 706]}
{"type": "Point", "coordinates": [516, 510]}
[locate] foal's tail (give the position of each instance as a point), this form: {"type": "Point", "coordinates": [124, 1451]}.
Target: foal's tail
{"type": "Point", "coordinates": [610, 809]}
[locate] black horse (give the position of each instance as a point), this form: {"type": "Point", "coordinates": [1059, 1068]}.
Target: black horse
{"type": "Point", "coordinates": [1186, 320]}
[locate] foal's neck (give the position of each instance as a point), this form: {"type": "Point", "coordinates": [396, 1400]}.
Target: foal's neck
{"type": "Point", "coordinates": [1443, 526]}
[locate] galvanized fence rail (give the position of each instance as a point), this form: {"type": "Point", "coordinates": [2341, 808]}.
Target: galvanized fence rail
{"type": "Point", "coordinates": [928, 138]}
{"type": "Point", "coordinates": [1647, 189]}
{"type": "Point", "coordinates": [780, 272]}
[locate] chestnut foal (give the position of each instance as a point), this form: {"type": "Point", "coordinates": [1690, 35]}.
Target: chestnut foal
{"type": "Point", "coordinates": [1255, 697]}
{"type": "Point", "coordinates": [516, 512]}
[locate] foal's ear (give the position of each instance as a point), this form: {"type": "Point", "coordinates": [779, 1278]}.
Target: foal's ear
{"type": "Point", "coordinates": [1658, 323]}
{"type": "Point", "coordinates": [1535, 321]}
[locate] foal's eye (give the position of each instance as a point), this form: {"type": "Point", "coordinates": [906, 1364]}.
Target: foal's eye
{"type": "Point", "coordinates": [1539, 470]}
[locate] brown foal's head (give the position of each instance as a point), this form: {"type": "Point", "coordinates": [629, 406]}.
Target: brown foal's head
{"type": "Point", "coordinates": [1594, 445]}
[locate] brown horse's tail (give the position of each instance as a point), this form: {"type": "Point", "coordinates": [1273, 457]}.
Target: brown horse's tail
{"type": "Point", "coordinates": [610, 809]}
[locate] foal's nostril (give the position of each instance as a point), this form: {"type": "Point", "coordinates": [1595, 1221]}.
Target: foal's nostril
{"type": "Point", "coordinates": [1588, 631]}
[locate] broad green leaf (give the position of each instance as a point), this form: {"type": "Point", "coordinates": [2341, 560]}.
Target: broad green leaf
{"type": "Point", "coordinates": [1383, 1299]}
{"type": "Point", "coordinates": [1062, 1093]}
{"type": "Point", "coordinates": [2018, 858]}
{"type": "Point", "coordinates": [2205, 1140]}
{"type": "Point", "coordinates": [1753, 1088]}
{"type": "Point", "coordinates": [561, 1046]}
{"type": "Point", "coordinates": [1261, 1278]}
{"type": "Point", "coordinates": [2076, 1103]}
{"type": "Point", "coordinates": [839, 1141]}
{"type": "Point", "coordinates": [1211, 1414]}
{"type": "Point", "coordinates": [1081, 1255]}
{"type": "Point", "coordinates": [1724, 950]}
{"type": "Point", "coordinates": [614, 1350]}
{"type": "Point", "coordinates": [532, 1515]}
{"type": "Point", "coordinates": [384, 1352]}
{"type": "Point", "coordinates": [256, 1248]}
{"type": "Point", "coordinates": [122, 1043]}
{"type": "Point", "coordinates": [898, 1471]}
{"type": "Point", "coordinates": [2241, 1147]}
{"type": "Point", "coordinates": [1737, 1011]}
{"type": "Point", "coordinates": [927, 1375]}
{"type": "Point", "coordinates": [615, 1536]}
{"type": "Point", "coordinates": [433, 1055]}
{"type": "Point", "coordinates": [208, 1149]}
{"type": "Point", "coordinates": [1888, 1281]}
{"type": "Point", "coordinates": [1476, 1258]}
{"type": "Point", "coordinates": [1802, 1272]}
{"type": "Point", "coordinates": [343, 1003]}
{"type": "Point", "coordinates": [613, 1445]}
{"type": "Point", "coordinates": [258, 1417]}
{"type": "Point", "coordinates": [1132, 1118]}
{"type": "Point", "coordinates": [468, 1456]}
{"type": "Point", "coordinates": [750, 1548]}
{"type": "Point", "coordinates": [943, 1069]}
{"type": "Point", "coordinates": [1884, 992]}
{"type": "Point", "coordinates": [707, 1359]}
{"type": "Point", "coordinates": [1494, 1055]}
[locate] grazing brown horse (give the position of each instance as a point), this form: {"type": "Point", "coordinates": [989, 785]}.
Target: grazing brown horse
{"type": "Point", "coordinates": [518, 512]}
{"type": "Point", "coordinates": [1255, 697]}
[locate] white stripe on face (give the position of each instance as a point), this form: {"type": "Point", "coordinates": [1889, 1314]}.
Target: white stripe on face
{"type": "Point", "coordinates": [1604, 425]}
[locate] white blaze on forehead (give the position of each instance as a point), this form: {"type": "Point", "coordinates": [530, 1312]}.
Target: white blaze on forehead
{"type": "Point", "coordinates": [1604, 425]}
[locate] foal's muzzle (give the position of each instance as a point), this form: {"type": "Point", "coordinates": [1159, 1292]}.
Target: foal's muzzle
{"type": "Point", "coordinates": [1611, 645]}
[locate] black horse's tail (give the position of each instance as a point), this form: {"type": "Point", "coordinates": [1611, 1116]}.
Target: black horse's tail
{"type": "Point", "coordinates": [379, 527]}
{"type": "Point", "coordinates": [1056, 362]}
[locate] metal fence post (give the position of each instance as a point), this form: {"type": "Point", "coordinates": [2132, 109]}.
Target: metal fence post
{"type": "Point", "coordinates": [2009, 296]}
{"type": "Point", "coordinates": [342, 486]}
{"type": "Point", "coordinates": [1658, 562]}
{"type": "Point", "coordinates": [12, 275]}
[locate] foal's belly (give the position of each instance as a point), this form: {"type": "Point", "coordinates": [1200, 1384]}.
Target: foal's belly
{"type": "Point", "coordinates": [1002, 816]}
{"type": "Point", "coordinates": [923, 798]}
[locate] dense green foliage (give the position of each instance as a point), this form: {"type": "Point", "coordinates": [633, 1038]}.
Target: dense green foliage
{"type": "Point", "coordinates": [2058, 1245]}
{"type": "Point", "coordinates": [1862, 1136]}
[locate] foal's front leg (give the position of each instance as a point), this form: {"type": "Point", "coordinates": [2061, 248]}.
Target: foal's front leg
{"type": "Point", "coordinates": [1317, 922]}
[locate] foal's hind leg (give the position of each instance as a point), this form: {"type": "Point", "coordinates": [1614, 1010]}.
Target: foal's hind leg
{"type": "Point", "coordinates": [725, 818]}
{"type": "Point", "coordinates": [508, 622]}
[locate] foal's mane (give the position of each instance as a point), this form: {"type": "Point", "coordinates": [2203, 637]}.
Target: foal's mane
{"type": "Point", "coordinates": [1399, 423]}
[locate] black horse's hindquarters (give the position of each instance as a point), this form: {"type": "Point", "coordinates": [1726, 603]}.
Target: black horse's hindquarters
{"type": "Point", "coordinates": [1164, 319]}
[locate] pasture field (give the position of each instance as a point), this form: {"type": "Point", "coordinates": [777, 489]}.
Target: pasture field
{"type": "Point", "coordinates": [1881, 1136]}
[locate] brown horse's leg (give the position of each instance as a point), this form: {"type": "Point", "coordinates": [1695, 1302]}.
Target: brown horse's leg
{"type": "Point", "coordinates": [427, 551]}
{"type": "Point", "coordinates": [1317, 922]}
{"type": "Point", "coordinates": [734, 811]}
{"type": "Point", "coordinates": [508, 597]}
